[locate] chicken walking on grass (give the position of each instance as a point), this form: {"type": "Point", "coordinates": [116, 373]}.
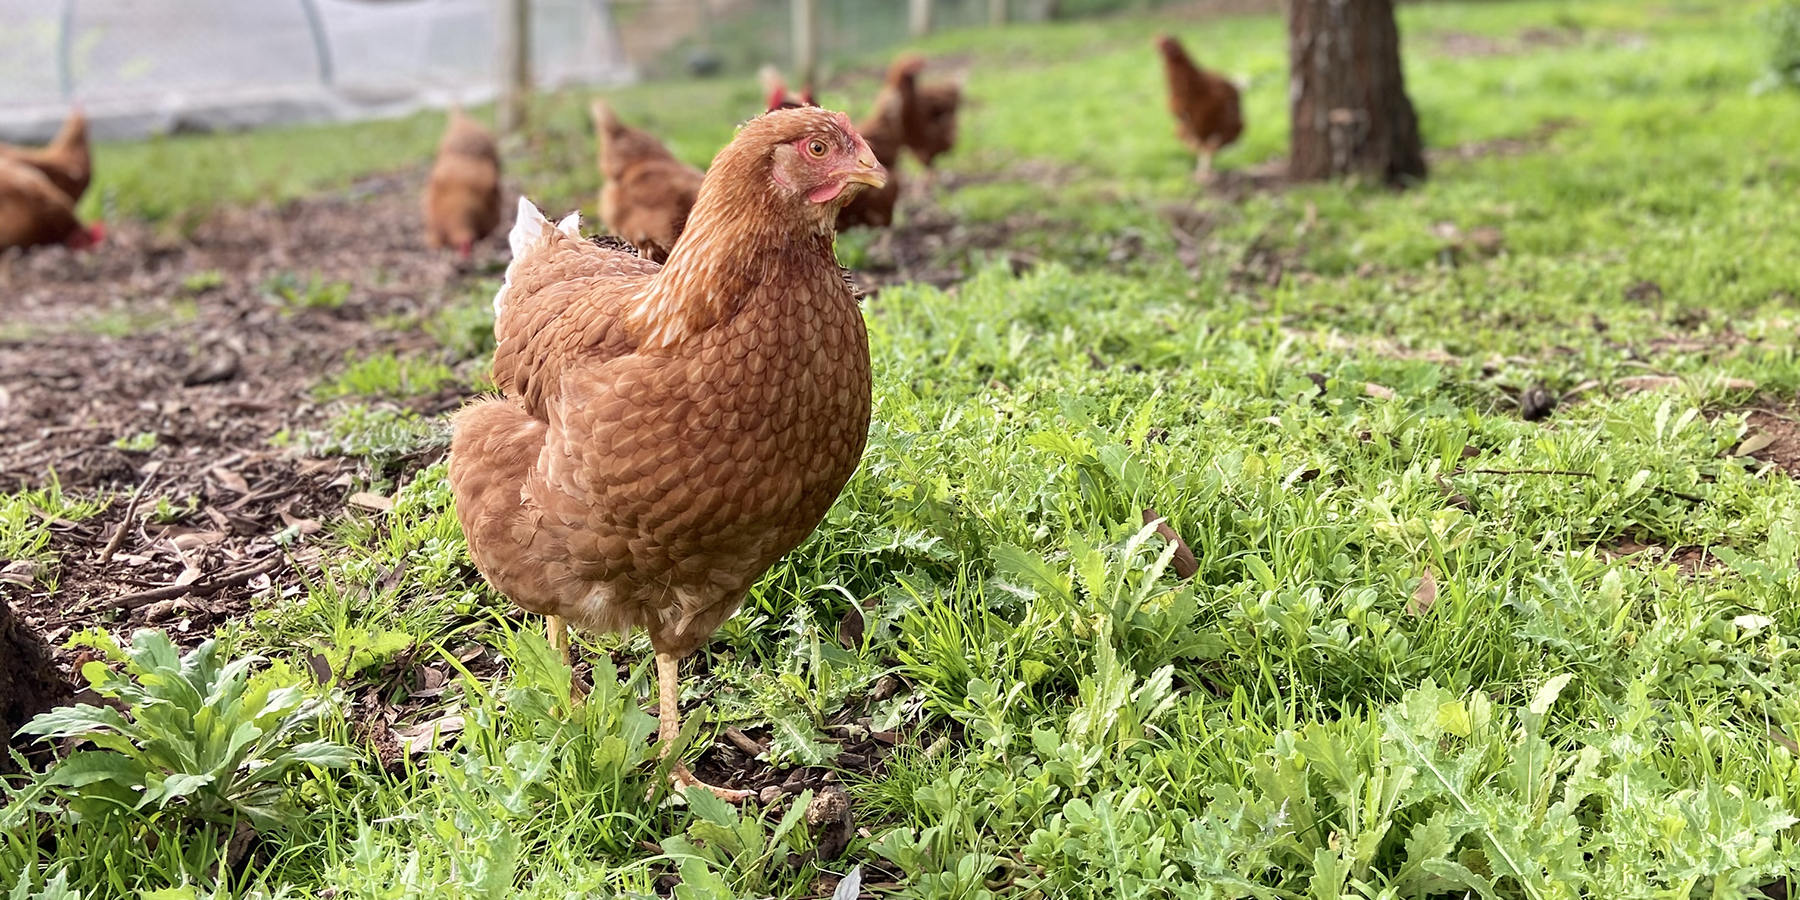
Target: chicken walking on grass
{"type": "Point", "coordinates": [462, 196]}
{"type": "Point", "coordinates": [930, 113]}
{"type": "Point", "coordinates": [1207, 112]}
{"type": "Point", "coordinates": [885, 130]}
{"type": "Point", "coordinates": [667, 432]}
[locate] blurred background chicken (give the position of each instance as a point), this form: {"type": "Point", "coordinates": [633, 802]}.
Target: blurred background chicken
{"type": "Point", "coordinates": [776, 94]}
{"type": "Point", "coordinates": [65, 160]}
{"type": "Point", "coordinates": [885, 130]}
{"type": "Point", "coordinates": [462, 196]}
{"type": "Point", "coordinates": [668, 432]}
{"type": "Point", "coordinates": [931, 115]}
{"type": "Point", "coordinates": [1207, 114]}
{"type": "Point", "coordinates": [648, 192]}
{"type": "Point", "coordinates": [35, 212]}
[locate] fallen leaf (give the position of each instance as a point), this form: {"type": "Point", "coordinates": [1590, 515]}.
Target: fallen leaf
{"type": "Point", "coordinates": [1379, 392]}
{"type": "Point", "coordinates": [371, 502]}
{"type": "Point", "coordinates": [1755, 443]}
{"type": "Point", "coordinates": [1647, 383]}
{"type": "Point", "coordinates": [22, 572]}
{"type": "Point", "coordinates": [304, 526]}
{"type": "Point", "coordinates": [320, 668]}
{"type": "Point", "coordinates": [850, 886]}
{"type": "Point", "coordinates": [1424, 595]}
{"type": "Point", "coordinates": [189, 541]}
{"type": "Point", "coordinates": [230, 480]}
{"type": "Point", "coordinates": [427, 735]}
{"type": "Point", "coordinates": [1784, 741]}
{"type": "Point", "coordinates": [851, 627]}
{"type": "Point", "coordinates": [1183, 562]}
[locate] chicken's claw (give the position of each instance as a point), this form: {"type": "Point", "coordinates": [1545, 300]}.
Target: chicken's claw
{"type": "Point", "coordinates": [683, 779]}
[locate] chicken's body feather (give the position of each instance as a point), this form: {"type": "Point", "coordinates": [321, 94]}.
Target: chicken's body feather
{"type": "Point", "coordinates": [34, 212]}
{"type": "Point", "coordinates": [66, 160]}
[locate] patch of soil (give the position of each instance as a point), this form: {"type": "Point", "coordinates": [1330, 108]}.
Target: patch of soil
{"type": "Point", "coordinates": [925, 242]}
{"type": "Point", "coordinates": [1531, 142]}
{"type": "Point", "coordinates": [202, 350]}
{"type": "Point", "coordinates": [1782, 432]}
{"type": "Point", "coordinates": [1688, 560]}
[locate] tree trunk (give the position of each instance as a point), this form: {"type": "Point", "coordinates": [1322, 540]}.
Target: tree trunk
{"type": "Point", "coordinates": [29, 682]}
{"type": "Point", "coordinates": [1346, 94]}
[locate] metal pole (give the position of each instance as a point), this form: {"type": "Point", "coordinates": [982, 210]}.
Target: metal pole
{"type": "Point", "coordinates": [919, 17]}
{"type": "Point", "coordinates": [321, 41]}
{"type": "Point", "coordinates": [515, 65]}
{"type": "Point", "coordinates": [65, 49]}
{"type": "Point", "coordinates": [806, 41]}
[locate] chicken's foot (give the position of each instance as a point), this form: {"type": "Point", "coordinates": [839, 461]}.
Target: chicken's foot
{"type": "Point", "coordinates": [668, 698]}
{"type": "Point", "coordinates": [1203, 168]}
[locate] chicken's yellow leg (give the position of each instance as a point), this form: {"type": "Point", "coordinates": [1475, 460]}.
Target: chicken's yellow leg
{"type": "Point", "coordinates": [558, 631]}
{"type": "Point", "coordinates": [668, 700]}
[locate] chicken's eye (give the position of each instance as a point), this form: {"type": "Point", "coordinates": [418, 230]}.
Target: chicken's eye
{"type": "Point", "coordinates": [816, 147]}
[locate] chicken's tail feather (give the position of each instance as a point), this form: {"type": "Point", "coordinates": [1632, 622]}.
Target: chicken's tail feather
{"type": "Point", "coordinates": [530, 233]}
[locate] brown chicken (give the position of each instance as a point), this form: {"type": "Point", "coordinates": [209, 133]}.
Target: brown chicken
{"type": "Point", "coordinates": [65, 160]}
{"type": "Point", "coordinates": [34, 211]}
{"type": "Point", "coordinates": [667, 432]}
{"type": "Point", "coordinates": [930, 113]}
{"type": "Point", "coordinates": [885, 130]}
{"type": "Point", "coordinates": [1207, 114]}
{"type": "Point", "coordinates": [462, 196]}
{"type": "Point", "coordinates": [648, 192]}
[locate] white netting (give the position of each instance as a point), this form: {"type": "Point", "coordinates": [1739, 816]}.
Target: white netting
{"type": "Point", "coordinates": [139, 66]}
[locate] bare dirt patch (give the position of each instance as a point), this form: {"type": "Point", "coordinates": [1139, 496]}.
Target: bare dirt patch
{"type": "Point", "coordinates": [1773, 438]}
{"type": "Point", "coordinates": [163, 369]}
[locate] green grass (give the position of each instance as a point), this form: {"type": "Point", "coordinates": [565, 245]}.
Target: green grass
{"type": "Point", "coordinates": [1414, 660]}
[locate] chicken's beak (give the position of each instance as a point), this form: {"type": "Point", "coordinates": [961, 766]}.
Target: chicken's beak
{"type": "Point", "coordinates": [868, 169]}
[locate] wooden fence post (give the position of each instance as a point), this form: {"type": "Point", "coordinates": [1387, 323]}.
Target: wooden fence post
{"type": "Point", "coordinates": [515, 65]}
{"type": "Point", "coordinates": [918, 17]}
{"type": "Point", "coordinates": [806, 41]}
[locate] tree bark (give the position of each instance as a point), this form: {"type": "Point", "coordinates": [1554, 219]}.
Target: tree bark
{"type": "Point", "coordinates": [29, 682]}
{"type": "Point", "coordinates": [1347, 95]}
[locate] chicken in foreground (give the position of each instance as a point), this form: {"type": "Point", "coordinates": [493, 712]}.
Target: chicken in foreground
{"type": "Point", "coordinates": [885, 130]}
{"type": "Point", "coordinates": [65, 160]}
{"type": "Point", "coordinates": [462, 196]}
{"type": "Point", "coordinates": [648, 192]}
{"type": "Point", "coordinates": [1207, 113]}
{"type": "Point", "coordinates": [667, 432]}
{"type": "Point", "coordinates": [35, 212]}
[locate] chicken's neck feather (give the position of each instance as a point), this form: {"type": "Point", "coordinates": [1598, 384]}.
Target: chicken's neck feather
{"type": "Point", "coordinates": [741, 244]}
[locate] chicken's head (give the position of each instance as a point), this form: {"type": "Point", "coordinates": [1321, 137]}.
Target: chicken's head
{"type": "Point", "coordinates": [86, 238]}
{"type": "Point", "coordinates": [812, 159]}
